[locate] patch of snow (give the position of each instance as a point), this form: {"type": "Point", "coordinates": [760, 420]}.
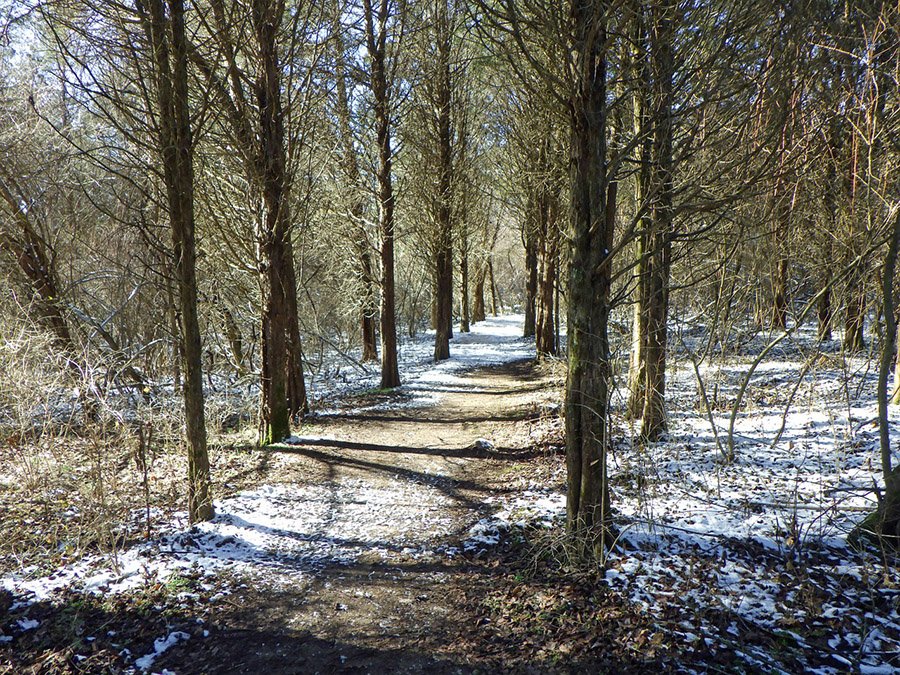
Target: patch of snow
{"type": "Point", "coordinates": [494, 341]}
{"type": "Point", "coordinates": [160, 646]}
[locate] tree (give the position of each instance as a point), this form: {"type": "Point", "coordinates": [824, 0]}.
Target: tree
{"type": "Point", "coordinates": [379, 22]}
{"type": "Point", "coordinates": [253, 111]}
{"type": "Point", "coordinates": [163, 25]}
{"type": "Point", "coordinates": [350, 164]}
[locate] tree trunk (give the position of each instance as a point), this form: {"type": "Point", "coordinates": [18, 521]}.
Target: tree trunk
{"type": "Point", "coordinates": [592, 218]}
{"type": "Point", "coordinates": [637, 374]}
{"type": "Point", "coordinates": [298, 404]}
{"type": "Point", "coordinates": [545, 339]}
{"type": "Point", "coordinates": [885, 521]}
{"type": "Point", "coordinates": [495, 294]}
{"type": "Point", "coordinates": [530, 238]}
{"type": "Point", "coordinates": [235, 339]}
{"type": "Point", "coordinates": [165, 28]}
{"type": "Point", "coordinates": [443, 280]}
{"type": "Point", "coordinates": [662, 66]}
{"type": "Point", "coordinates": [823, 312]}
{"type": "Point", "coordinates": [464, 310]}
{"type": "Point", "coordinates": [369, 305]}
{"type": "Point", "coordinates": [854, 323]}
{"type": "Point", "coordinates": [779, 294]}
{"type": "Point", "coordinates": [376, 43]}
{"type": "Point", "coordinates": [478, 313]}
{"type": "Point", "coordinates": [637, 371]}
{"type": "Point", "coordinates": [283, 391]}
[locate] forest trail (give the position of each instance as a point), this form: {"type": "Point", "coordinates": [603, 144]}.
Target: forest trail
{"type": "Point", "coordinates": [402, 487]}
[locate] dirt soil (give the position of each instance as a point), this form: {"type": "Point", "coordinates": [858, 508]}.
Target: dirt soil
{"type": "Point", "coordinates": [392, 611]}
{"type": "Point", "coordinates": [403, 487]}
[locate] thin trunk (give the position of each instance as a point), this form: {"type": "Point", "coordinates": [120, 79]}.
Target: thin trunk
{"type": "Point", "coordinates": [478, 313]}
{"type": "Point", "coordinates": [235, 339]}
{"type": "Point", "coordinates": [885, 521]}
{"type": "Point", "coordinates": [495, 295]}
{"type": "Point", "coordinates": [662, 60]}
{"type": "Point", "coordinates": [165, 27]}
{"type": "Point", "coordinates": [854, 321]}
{"type": "Point", "coordinates": [637, 371]}
{"type": "Point", "coordinates": [823, 312]}
{"type": "Point", "coordinates": [444, 252]}
{"type": "Point", "coordinates": [545, 339]}
{"type": "Point", "coordinates": [779, 295]}
{"type": "Point", "coordinates": [175, 330]}
{"type": "Point", "coordinates": [376, 43]}
{"type": "Point", "coordinates": [298, 404]}
{"type": "Point", "coordinates": [531, 238]}
{"type": "Point", "coordinates": [369, 304]}
{"type": "Point", "coordinates": [464, 280]}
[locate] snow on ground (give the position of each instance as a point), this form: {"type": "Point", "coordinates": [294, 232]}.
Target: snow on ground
{"type": "Point", "coordinates": [278, 532]}
{"type": "Point", "coordinates": [724, 549]}
{"type": "Point", "coordinates": [285, 532]}
{"type": "Point", "coordinates": [494, 341]}
{"type": "Point", "coordinates": [760, 543]}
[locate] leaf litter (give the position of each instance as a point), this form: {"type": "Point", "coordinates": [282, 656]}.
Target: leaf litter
{"type": "Point", "coordinates": [744, 563]}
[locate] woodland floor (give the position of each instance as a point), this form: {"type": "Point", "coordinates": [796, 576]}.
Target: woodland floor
{"type": "Point", "coordinates": [405, 599]}
{"type": "Point", "coordinates": [419, 531]}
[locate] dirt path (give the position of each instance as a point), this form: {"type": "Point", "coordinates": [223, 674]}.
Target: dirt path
{"type": "Point", "coordinates": [402, 488]}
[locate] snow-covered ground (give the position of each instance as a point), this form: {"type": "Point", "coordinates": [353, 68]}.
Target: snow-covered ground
{"type": "Point", "coordinates": [495, 341]}
{"type": "Point", "coordinates": [723, 550]}
{"type": "Point", "coordinates": [283, 532]}
{"type": "Point", "coordinates": [759, 543]}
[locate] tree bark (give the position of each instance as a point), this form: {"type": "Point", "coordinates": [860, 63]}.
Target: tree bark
{"type": "Point", "coordinates": [592, 217]}
{"type": "Point", "coordinates": [823, 313]}
{"type": "Point", "coordinates": [443, 280]}
{"type": "Point", "coordinates": [659, 240]}
{"type": "Point", "coordinates": [530, 238]}
{"type": "Point", "coordinates": [464, 310]}
{"type": "Point", "coordinates": [376, 43]}
{"type": "Point", "coordinates": [855, 313]}
{"type": "Point", "coordinates": [283, 390]}
{"type": "Point", "coordinates": [165, 28]}
{"type": "Point", "coordinates": [495, 294]}
{"type": "Point", "coordinates": [637, 372]}
{"type": "Point", "coordinates": [545, 338]}
{"type": "Point", "coordinates": [478, 313]}
{"type": "Point", "coordinates": [369, 304]}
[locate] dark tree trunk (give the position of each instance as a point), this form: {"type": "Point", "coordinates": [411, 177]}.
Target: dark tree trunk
{"type": "Point", "coordinates": [590, 238]}
{"type": "Point", "coordinates": [823, 312]}
{"type": "Point", "coordinates": [530, 238]}
{"type": "Point", "coordinates": [165, 28]}
{"type": "Point", "coordinates": [283, 391]}
{"type": "Point", "coordinates": [478, 313]}
{"type": "Point", "coordinates": [369, 303]}
{"type": "Point", "coordinates": [545, 338]}
{"type": "Point", "coordinates": [662, 66]}
{"type": "Point", "coordinates": [443, 280]}
{"type": "Point", "coordinates": [854, 323]}
{"type": "Point", "coordinates": [376, 43]}
{"type": "Point", "coordinates": [884, 523]}
{"type": "Point", "coordinates": [780, 294]}
{"type": "Point", "coordinates": [464, 310]}
{"type": "Point", "coordinates": [496, 301]}
{"type": "Point", "coordinates": [298, 405]}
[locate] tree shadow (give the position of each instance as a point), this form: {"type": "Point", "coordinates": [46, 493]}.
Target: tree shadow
{"type": "Point", "coordinates": [474, 451]}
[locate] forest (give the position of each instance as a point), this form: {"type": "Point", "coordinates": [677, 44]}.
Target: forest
{"type": "Point", "coordinates": [449, 336]}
